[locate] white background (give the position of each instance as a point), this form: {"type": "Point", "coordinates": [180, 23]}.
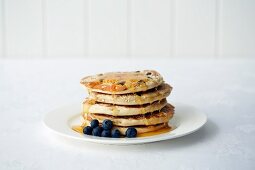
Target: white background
{"type": "Point", "coordinates": [127, 28]}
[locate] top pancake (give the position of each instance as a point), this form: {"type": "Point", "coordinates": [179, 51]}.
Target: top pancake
{"type": "Point", "coordinates": [123, 82]}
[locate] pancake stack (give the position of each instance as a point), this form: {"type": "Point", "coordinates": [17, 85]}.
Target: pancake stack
{"type": "Point", "coordinates": [129, 99]}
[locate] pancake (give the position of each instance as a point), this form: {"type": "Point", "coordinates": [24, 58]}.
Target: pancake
{"type": "Point", "coordinates": [140, 129]}
{"type": "Point", "coordinates": [122, 82]}
{"type": "Point", "coordinates": [91, 106]}
{"type": "Point", "coordinates": [140, 98]}
{"type": "Point", "coordinates": [156, 117]}
{"type": "Point", "coordinates": [143, 129]}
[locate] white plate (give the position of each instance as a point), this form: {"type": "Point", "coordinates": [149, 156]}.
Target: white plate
{"type": "Point", "coordinates": [187, 120]}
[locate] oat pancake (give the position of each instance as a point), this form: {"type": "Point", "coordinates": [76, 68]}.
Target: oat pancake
{"type": "Point", "coordinates": [91, 106]}
{"type": "Point", "coordinates": [123, 82]}
{"type": "Point", "coordinates": [156, 117]}
{"type": "Point", "coordinates": [143, 129]}
{"type": "Point", "coordinates": [140, 98]}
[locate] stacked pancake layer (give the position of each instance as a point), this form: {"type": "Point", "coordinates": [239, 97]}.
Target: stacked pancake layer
{"type": "Point", "coordinates": [129, 99]}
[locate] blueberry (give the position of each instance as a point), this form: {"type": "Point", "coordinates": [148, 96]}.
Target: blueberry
{"type": "Point", "coordinates": [107, 124]}
{"type": "Point", "coordinates": [94, 123]}
{"type": "Point", "coordinates": [87, 130]}
{"type": "Point", "coordinates": [115, 133]}
{"type": "Point", "coordinates": [131, 132]}
{"type": "Point", "coordinates": [106, 133]}
{"type": "Point", "coordinates": [97, 131]}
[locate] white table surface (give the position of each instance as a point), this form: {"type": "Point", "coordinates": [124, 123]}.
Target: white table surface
{"type": "Point", "coordinates": [223, 89]}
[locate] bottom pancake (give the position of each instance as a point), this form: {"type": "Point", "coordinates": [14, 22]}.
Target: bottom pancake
{"type": "Point", "coordinates": [140, 129]}
{"type": "Point", "coordinates": [143, 129]}
{"type": "Point", "coordinates": [154, 118]}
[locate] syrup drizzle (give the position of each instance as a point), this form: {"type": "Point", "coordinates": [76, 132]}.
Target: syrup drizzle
{"type": "Point", "coordinates": [78, 128]}
{"type": "Point", "coordinates": [156, 132]}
